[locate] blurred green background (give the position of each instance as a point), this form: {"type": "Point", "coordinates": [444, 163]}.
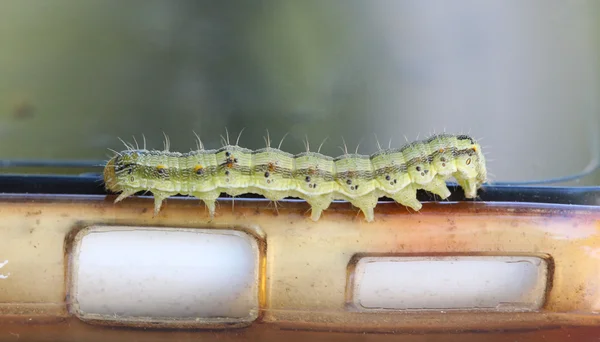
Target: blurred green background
{"type": "Point", "coordinates": [525, 76]}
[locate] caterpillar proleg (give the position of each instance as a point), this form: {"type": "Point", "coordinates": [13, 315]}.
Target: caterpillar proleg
{"type": "Point", "coordinates": [317, 178]}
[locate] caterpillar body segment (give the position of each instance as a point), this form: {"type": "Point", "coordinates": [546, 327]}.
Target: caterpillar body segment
{"type": "Point", "coordinates": [314, 177]}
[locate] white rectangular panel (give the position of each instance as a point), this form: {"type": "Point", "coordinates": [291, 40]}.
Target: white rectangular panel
{"type": "Point", "coordinates": [165, 275]}
{"type": "Point", "coordinates": [496, 283]}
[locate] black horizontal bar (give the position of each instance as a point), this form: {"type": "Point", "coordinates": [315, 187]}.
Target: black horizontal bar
{"type": "Point", "coordinates": [92, 184]}
{"type": "Point", "coordinates": [51, 163]}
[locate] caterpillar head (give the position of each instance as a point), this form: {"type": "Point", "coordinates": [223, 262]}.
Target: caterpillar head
{"type": "Point", "coordinates": [110, 177]}
{"type": "Point", "coordinates": [122, 171]}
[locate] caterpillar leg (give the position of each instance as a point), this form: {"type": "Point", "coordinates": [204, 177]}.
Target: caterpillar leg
{"type": "Point", "coordinates": [315, 213]}
{"type": "Point", "coordinates": [211, 205]}
{"type": "Point", "coordinates": [469, 186]}
{"type": "Point", "coordinates": [367, 205]}
{"type": "Point", "coordinates": [274, 198]}
{"type": "Point", "coordinates": [317, 205]}
{"type": "Point", "coordinates": [408, 197]}
{"type": "Point", "coordinates": [126, 193]}
{"type": "Point", "coordinates": [159, 197]}
{"type": "Point", "coordinates": [209, 199]}
{"type": "Point", "coordinates": [369, 213]}
{"type": "Point", "coordinates": [437, 186]}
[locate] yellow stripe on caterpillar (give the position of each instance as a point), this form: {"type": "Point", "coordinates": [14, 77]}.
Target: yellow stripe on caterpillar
{"type": "Point", "coordinates": [316, 178]}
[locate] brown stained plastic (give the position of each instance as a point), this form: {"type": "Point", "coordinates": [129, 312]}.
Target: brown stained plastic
{"type": "Point", "coordinates": [304, 290]}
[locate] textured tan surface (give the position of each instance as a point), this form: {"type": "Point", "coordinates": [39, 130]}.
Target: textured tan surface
{"type": "Point", "coordinates": [307, 262]}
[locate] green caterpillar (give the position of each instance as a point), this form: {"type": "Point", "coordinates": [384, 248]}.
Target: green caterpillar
{"type": "Point", "coordinates": [316, 178]}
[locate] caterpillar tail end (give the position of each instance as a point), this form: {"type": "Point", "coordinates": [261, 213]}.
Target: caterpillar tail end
{"type": "Point", "coordinates": [469, 187]}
